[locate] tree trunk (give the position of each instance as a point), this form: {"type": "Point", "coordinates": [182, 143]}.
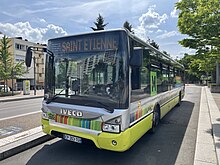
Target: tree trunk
{"type": "Point", "coordinates": [5, 86]}
{"type": "Point", "coordinates": [217, 73]}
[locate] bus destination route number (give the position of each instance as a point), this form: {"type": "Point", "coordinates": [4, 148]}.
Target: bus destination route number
{"type": "Point", "coordinates": [72, 138]}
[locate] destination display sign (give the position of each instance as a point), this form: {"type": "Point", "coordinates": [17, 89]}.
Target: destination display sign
{"type": "Point", "coordinates": [85, 43]}
{"type": "Point", "coordinates": [89, 44]}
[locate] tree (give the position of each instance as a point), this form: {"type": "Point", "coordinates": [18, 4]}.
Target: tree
{"type": "Point", "coordinates": [199, 19]}
{"type": "Point", "coordinates": [99, 23]}
{"type": "Point", "coordinates": [165, 52]}
{"type": "Point", "coordinates": [153, 43]}
{"type": "Point", "coordinates": [5, 60]}
{"type": "Point", "coordinates": [197, 66]}
{"type": "Point", "coordinates": [191, 65]}
{"type": "Point", "coordinates": [18, 69]}
{"type": "Point", "coordinates": [128, 26]}
{"type": "Point", "coordinates": [7, 66]}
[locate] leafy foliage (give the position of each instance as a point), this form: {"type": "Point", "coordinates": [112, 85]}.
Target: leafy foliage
{"type": "Point", "coordinates": [99, 23]}
{"type": "Point", "coordinates": [7, 66]}
{"type": "Point", "coordinates": [5, 59]}
{"type": "Point", "coordinates": [199, 19]}
{"type": "Point", "coordinates": [17, 70]}
{"type": "Point", "coordinates": [128, 26]}
{"type": "Point", "coordinates": [153, 43]}
{"type": "Point", "coordinates": [192, 74]}
{"type": "Point", "coordinates": [165, 52]}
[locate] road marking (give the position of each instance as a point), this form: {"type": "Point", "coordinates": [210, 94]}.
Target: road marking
{"type": "Point", "coordinates": [20, 106]}
{"type": "Point", "coordinates": [20, 115]}
{"type": "Point", "coordinates": [7, 105]}
{"type": "Point", "coordinates": [9, 130]}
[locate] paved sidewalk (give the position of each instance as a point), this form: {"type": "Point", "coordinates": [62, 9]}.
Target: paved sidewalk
{"type": "Point", "coordinates": [21, 96]}
{"type": "Point", "coordinates": [208, 134]}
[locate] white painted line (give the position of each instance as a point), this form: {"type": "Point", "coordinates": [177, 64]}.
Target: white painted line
{"type": "Point", "coordinates": [21, 106]}
{"type": "Point", "coordinates": [11, 117]}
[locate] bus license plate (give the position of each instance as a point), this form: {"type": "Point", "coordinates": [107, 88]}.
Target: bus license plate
{"type": "Point", "coordinates": [72, 138]}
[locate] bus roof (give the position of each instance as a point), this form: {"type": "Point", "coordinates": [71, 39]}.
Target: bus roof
{"type": "Point", "coordinates": [140, 41]}
{"type": "Point", "coordinates": [92, 32]}
{"type": "Point", "coordinates": [135, 38]}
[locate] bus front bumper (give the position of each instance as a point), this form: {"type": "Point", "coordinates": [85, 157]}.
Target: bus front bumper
{"type": "Point", "coordinates": [109, 141]}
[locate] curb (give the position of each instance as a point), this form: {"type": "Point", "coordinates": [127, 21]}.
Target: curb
{"type": "Point", "coordinates": [205, 151]}
{"type": "Point", "coordinates": [12, 146]}
{"type": "Point", "coordinates": [22, 98]}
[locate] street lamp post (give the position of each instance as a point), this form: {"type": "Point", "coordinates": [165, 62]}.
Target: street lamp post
{"type": "Point", "coordinates": [12, 85]}
{"type": "Point", "coordinates": [34, 75]}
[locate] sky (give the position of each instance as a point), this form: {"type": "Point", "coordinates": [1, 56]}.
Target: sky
{"type": "Point", "coordinates": [39, 21]}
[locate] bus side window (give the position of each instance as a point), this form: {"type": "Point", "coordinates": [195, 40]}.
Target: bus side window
{"type": "Point", "coordinates": [135, 78]}
{"type": "Point", "coordinates": [178, 78]}
{"type": "Point", "coordinates": [140, 80]}
{"type": "Point", "coordinates": [171, 78]}
{"type": "Point", "coordinates": [140, 83]}
{"type": "Point", "coordinates": [165, 79]}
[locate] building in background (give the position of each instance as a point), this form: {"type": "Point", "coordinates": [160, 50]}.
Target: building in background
{"type": "Point", "coordinates": [18, 51]}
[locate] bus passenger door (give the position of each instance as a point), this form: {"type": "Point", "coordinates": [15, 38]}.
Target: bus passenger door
{"type": "Point", "coordinates": [153, 83]}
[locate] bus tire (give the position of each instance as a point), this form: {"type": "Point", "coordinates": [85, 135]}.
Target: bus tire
{"type": "Point", "coordinates": [180, 98]}
{"type": "Point", "coordinates": [156, 119]}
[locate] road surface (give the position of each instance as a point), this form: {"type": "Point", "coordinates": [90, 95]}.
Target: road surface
{"type": "Point", "coordinates": [21, 107]}
{"type": "Point", "coordinates": [19, 116]}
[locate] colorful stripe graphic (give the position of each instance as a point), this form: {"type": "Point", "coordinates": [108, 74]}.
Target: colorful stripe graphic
{"type": "Point", "coordinates": [83, 123]}
{"type": "Point", "coordinates": [139, 113]}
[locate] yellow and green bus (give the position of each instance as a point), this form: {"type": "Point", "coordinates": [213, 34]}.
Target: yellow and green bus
{"type": "Point", "coordinates": [108, 87]}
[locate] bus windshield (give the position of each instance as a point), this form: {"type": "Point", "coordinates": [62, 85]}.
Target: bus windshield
{"type": "Point", "coordinates": [91, 78]}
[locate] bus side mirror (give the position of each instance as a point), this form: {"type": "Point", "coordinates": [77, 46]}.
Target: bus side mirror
{"type": "Point", "coordinates": [136, 59]}
{"type": "Point", "coordinates": [28, 57]}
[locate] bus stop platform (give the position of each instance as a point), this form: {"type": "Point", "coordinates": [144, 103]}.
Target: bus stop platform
{"type": "Point", "coordinates": [207, 150]}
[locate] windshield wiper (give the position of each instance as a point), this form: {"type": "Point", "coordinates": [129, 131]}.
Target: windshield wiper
{"type": "Point", "coordinates": [91, 102]}
{"type": "Point", "coordinates": [55, 96]}
{"type": "Point", "coordinates": [105, 106]}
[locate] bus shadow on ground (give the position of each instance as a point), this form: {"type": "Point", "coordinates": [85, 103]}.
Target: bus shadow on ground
{"type": "Point", "coordinates": [161, 147]}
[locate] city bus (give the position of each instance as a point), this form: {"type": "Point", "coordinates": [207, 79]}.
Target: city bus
{"type": "Point", "coordinates": [108, 87]}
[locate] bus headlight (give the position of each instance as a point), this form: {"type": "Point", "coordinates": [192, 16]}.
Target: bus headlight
{"type": "Point", "coordinates": [111, 128]}
{"type": "Point", "coordinates": [112, 125]}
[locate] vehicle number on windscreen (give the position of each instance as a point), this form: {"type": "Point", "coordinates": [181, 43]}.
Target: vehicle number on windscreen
{"type": "Point", "coordinates": [72, 138]}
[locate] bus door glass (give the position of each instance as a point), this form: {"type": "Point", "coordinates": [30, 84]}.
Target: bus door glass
{"type": "Point", "coordinates": [153, 83]}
